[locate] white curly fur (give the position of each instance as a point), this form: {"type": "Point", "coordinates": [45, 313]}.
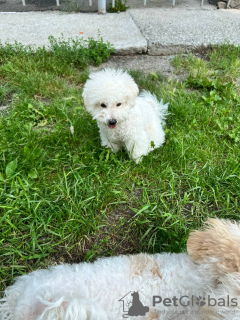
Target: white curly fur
{"type": "Point", "coordinates": [91, 291]}
{"type": "Point", "coordinates": [139, 119]}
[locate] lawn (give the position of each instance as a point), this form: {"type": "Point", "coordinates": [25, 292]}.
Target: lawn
{"type": "Point", "coordinates": [64, 198]}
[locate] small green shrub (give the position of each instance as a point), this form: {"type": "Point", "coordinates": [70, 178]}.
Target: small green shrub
{"type": "Point", "coordinates": [120, 5]}
{"type": "Point", "coordinates": [77, 52]}
{"type": "Point", "coordinates": [80, 52]}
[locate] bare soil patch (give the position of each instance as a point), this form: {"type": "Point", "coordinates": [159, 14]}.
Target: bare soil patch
{"type": "Point", "coordinates": [143, 63]}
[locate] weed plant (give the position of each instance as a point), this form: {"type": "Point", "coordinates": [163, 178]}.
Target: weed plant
{"type": "Point", "coordinates": [120, 6]}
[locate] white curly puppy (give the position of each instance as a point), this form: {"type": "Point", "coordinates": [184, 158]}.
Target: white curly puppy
{"type": "Point", "coordinates": [142, 287]}
{"type": "Point", "coordinates": [124, 118]}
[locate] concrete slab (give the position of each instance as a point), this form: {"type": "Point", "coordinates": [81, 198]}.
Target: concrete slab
{"type": "Point", "coordinates": [144, 63]}
{"type": "Point", "coordinates": [35, 27]}
{"type": "Point", "coordinates": [171, 31]}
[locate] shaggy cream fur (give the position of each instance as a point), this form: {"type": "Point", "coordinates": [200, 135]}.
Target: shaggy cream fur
{"type": "Point", "coordinates": [124, 119]}
{"type": "Point", "coordinates": [95, 291]}
{"type": "Point", "coordinates": [220, 240]}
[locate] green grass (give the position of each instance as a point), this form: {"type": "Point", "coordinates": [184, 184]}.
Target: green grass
{"type": "Point", "coordinates": [120, 6]}
{"type": "Point", "coordinates": [64, 198]}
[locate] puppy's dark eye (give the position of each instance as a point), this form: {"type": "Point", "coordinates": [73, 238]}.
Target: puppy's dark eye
{"type": "Point", "coordinates": [103, 105]}
{"type": "Point", "coordinates": [118, 104]}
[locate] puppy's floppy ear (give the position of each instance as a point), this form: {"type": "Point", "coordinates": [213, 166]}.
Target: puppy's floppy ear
{"type": "Point", "coordinates": [85, 97]}
{"type": "Point", "coordinates": [221, 240]}
{"type": "Point", "coordinates": [132, 93]}
{"type": "Point", "coordinates": [87, 90]}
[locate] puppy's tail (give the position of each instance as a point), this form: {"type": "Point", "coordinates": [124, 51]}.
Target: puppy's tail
{"type": "Point", "coordinates": [218, 246]}
{"type": "Point", "coordinates": [160, 108]}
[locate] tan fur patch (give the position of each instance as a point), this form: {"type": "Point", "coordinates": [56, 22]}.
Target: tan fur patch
{"type": "Point", "coordinates": [144, 262]}
{"type": "Point", "coordinates": [221, 240]}
{"type": "Point", "coordinates": [152, 315]}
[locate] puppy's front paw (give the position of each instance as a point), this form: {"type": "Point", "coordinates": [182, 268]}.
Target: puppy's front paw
{"type": "Point", "coordinates": [114, 147]}
{"type": "Point", "coordinates": [138, 160]}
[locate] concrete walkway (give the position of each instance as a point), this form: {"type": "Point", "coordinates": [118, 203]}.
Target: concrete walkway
{"type": "Point", "coordinates": [158, 31]}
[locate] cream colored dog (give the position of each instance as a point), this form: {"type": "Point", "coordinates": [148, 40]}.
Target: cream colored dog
{"type": "Point", "coordinates": [203, 284]}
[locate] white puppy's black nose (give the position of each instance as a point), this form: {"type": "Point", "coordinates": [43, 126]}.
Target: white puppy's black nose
{"type": "Point", "coordinates": [112, 122]}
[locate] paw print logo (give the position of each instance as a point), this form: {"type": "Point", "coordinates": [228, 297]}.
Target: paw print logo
{"type": "Point", "coordinates": [200, 301]}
